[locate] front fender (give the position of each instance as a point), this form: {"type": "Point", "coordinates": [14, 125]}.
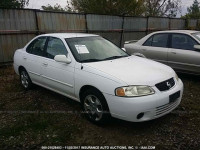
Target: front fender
{"type": "Point", "coordinates": [104, 83]}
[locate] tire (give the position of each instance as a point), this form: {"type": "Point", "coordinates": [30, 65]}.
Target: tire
{"type": "Point", "coordinates": [95, 106]}
{"type": "Point", "coordinates": [25, 79]}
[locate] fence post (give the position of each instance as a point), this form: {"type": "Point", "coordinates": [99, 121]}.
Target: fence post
{"type": "Point", "coordinates": [197, 24]}
{"type": "Point", "coordinates": [122, 32]}
{"type": "Point", "coordinates": [86, 24]}
{"type": "Point", "coordinates": [147, 25]}
{"type": "Point", "coordinates": [186, 24]}
{"type": "Point", "coordinates": [36, 21]}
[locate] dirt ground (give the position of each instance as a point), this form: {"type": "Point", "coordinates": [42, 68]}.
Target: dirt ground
{"type": "Point", "coordinates": [39, 117]}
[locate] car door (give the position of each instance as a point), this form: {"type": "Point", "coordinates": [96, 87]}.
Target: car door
{"type": "Point", "coordinates": [156, 47]}
{"type": "Point", "coordinates": [57, 76]}
{"type": "Point", "coordinates": [32, 60]}
{"type": "Point", "coordinates": [182, 54]}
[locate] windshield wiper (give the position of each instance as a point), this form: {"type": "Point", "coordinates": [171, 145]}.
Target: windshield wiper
{"type": "Point", "coordinates": [114, 57]}
{"type": "Point", "coordinates": [95, 60]}
{"type": "Point", "coordinates": [90, 60]}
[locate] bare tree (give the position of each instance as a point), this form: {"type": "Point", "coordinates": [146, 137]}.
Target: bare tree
{"type": "Point", "coordinates": [167, 8]}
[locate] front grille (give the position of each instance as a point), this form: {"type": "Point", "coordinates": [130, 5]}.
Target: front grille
{"type": "Point", "coordinates": [166, 85]}
{"type": "Point", "coordinates": [166, 108]}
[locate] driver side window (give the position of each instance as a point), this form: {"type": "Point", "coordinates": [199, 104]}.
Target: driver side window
{"type": "Point", "coordinates": [184, 42]}
{"type": "Point", "coordinates": [55, 47]}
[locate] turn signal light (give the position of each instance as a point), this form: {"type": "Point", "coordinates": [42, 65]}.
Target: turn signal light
{"type": "Point", "coordinates": [120, 92]}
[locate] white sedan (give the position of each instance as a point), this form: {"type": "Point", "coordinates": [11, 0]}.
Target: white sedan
{"type": "Point", "coordinates": [105, 79]}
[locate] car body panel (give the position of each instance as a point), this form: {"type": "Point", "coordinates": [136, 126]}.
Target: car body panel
{"type": "Point", "coordinates": [135, 76]}
{"type": "Point", "coordinates": [184, 59]}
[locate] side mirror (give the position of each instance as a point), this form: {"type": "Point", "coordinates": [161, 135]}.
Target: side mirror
{"type": "Point", "coordinates": [62, 58]}
{"type": "Point", "coordinates": [123, 49]}
{"type": "Point", "coordinates": [197, 47]}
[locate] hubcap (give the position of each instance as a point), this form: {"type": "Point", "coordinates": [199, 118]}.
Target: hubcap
{"type": "Point", "coordinates": [24, 79]}
{"type": "Point", "coordinates": [93, 107]}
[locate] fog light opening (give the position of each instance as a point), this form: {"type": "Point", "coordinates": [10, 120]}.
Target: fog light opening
{"type": "Point", "coordinates": [140, 115]}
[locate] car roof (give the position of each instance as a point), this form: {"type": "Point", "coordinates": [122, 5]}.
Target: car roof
{"type": "Point", "coordinates": [177, 31]}
{"type": "Point", "coordinates": [69, 35]}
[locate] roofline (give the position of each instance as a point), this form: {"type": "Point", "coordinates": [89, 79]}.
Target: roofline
{"type": "Point", "coordinates": [73, 35]}
{"type": "Point", "coordinates": [178, 31]}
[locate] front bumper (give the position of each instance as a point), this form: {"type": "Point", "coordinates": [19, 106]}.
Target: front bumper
{"type": "Point", "coordinates": [152, 106]}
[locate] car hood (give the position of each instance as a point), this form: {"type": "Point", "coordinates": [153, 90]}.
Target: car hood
{"type": "Point", "coordinates": [134, 70]}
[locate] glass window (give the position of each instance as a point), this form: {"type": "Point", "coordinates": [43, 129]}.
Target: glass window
{"type": "Point", "coordinates": [160, 40]}
{"type": "Point", "coordinates": [148, 42]}
{"type": "Point", "coordinates": [91, 49]}
{"type": "Point", "coordinates": [196, 35]}
{"type": "Point", "coordinates": [37, 46]}
{"type": "Point", "coordinates": [55, 47]}
{"type": "Point", "coordinates": [181, 41]}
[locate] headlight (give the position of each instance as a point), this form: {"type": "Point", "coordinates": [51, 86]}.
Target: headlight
{"type": "Point", "coordinates": [134, 91]}
{"type": "Point", "coordinates": [176, 76]}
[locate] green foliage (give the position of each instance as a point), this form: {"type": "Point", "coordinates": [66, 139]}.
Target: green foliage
{"type": "Point", "coordinates": [13, 3]}
{"type": "Point", "coordinates": [57, 7]}
{"type": "Point", "coordinates": [193, 11]}
{"type": "Point", "coordinates": [129, 7]}
{"type": "Point", "coordinates": [111, 7]}
{"type": "Point", "coordinates": [167, 8]}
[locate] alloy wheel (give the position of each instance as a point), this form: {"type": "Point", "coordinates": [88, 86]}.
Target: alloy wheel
{"type": "Point", "coordinates": [93, 107]}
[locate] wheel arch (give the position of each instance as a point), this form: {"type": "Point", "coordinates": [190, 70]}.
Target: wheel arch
{"type": "Point", "coordinates": [86, 87]}
{"type": "Point", "coordinates": [21, 68]}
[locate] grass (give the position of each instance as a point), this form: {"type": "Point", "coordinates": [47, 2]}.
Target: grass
{"type": "Point", "coordinates": [28, 128]}
{"type": "Point", "coordinates": [39, 117]}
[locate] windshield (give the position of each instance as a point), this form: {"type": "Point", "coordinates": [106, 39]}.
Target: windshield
{"type": "Point", "coordinates": [196, 35]}
{"type": "Point", "coordinates": [91, 49]}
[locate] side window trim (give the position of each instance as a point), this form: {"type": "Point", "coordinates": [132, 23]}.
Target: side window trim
{"type": "Point", "coordinates": [170, 40]}
{"type": "Point", "coordinates": [45, 47]}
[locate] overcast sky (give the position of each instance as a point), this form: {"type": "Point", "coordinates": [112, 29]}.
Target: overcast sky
{"type": "Point", "coordinates": [36, 4]}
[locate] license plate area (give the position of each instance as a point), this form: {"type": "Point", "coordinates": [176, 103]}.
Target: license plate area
{"type": "Point", "coordinates": [174, 97]}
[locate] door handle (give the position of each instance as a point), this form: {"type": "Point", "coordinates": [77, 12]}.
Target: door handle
{"type": "Point", "coordinates": [45, 64]}
{"type": "Point", "coordinates": [24, 58]}
{"type": "Point", "coordinates": [143, 49]}
{"type": "Point", "coordinates": [173, 52]}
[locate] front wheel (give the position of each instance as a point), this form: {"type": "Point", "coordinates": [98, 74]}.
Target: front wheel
{"type": "Point", "coordinates": [25, 79]}
{"type": "Point", "coordinates": [95, 106]}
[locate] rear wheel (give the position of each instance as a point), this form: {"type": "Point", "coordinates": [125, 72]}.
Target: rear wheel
{"type": "Point", "coordinates": [25, 79]}
{"type": "Point", "coordinates": [95, 106]}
